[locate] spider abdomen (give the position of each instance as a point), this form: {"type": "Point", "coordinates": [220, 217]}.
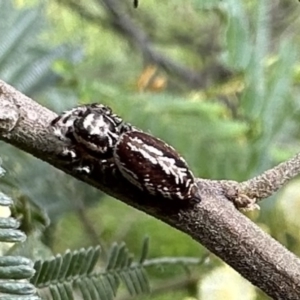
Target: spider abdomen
{"type": "Point", "coordinates": [152, 165]}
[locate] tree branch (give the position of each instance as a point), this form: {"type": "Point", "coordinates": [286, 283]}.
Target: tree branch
{"type": "Point", "coordinates": [214, 222]}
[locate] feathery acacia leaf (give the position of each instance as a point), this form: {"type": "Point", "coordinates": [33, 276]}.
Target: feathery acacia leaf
{"type": "Point", "coordinates": [14, 270]}
{"type": "Point", "coordinates": [145, 250]}
{"type": "Point", "coordinates": [75, 271]}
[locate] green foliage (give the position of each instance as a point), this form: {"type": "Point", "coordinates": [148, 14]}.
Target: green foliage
{"type": "Point", "coordinates": [24, 61]}
{"type": "Point", "coordinates": [63, 276]}
{"type": "Point", "coordinates": [237, 36]}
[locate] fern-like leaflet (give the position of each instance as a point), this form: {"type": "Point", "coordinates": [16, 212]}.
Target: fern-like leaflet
{"type": "Point", "coordinates": [65, 275]}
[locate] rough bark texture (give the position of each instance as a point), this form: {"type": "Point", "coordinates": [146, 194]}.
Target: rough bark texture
{"type": "Point", "coordinates": [214, 222]}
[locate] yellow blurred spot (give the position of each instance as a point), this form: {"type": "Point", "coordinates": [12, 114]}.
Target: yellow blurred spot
{"type": "Point", "coordinates": [24, 3]}
{"type": "Point", "coordinates": [5, 212]}
{"type": "Point", "coordinates": [226, 284]}
{"type": "Point", "coordinates": [289, 204]}
{"type": "Point", "coordinates": [271, 60]}
{"type": "Point", "coordinates": [231, 87]}
{"type": "Point", "coordinates": [151, 80]}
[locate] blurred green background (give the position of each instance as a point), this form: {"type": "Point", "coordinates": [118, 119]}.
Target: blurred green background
{"type": "Point", "coordinates": [218, 80]}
